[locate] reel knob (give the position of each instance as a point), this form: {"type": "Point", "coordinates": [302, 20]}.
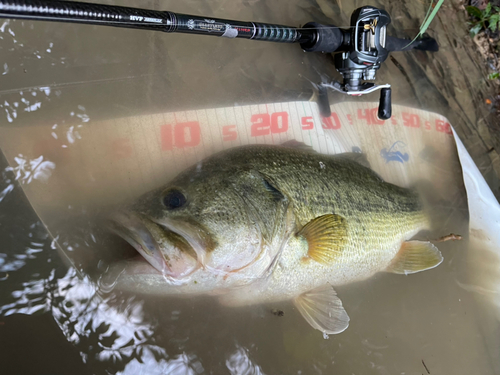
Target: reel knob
{"type": "Point", "coordinates": [385, 104]}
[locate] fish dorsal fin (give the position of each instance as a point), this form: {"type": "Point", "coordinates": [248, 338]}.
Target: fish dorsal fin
{"type": "Point", "coordinates": [360, 159]}
{"type": "Point", "coordinates": [323, 310]}
{"type": "Point", "coordinates": [326, 236]}
{"type": "Point", "coordinates": [415, 256]}
{"type": "Point", "coordinates": [297, 145]}
{"type": "Point", "coordinates": [357, 157]}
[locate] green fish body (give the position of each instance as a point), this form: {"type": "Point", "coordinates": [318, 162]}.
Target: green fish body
{"type": "Point", "coordinates": [268, 223]}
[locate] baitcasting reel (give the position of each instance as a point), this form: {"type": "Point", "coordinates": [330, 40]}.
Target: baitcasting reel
{"type": "Point", "coordinates": [360, 52]}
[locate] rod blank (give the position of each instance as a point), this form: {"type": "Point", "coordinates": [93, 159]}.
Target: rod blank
{"type": "Point", "coordinates": [117, 16]}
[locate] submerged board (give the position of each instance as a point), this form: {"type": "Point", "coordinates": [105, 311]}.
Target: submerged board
{"type": "Point", "coordinates": [67, 170]}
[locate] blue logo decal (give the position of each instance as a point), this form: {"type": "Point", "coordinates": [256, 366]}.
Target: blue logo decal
{"type": "Point", "coordinates": [393, 154]}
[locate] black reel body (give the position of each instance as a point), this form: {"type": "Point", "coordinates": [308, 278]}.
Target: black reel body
{"type": "Point", "coordinates": [368, 35]}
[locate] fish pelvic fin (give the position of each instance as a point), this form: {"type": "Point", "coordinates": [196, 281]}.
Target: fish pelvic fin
{"type": "Point", "coordinates": [415, 256]}
{"type": "Point", "coordinates": [323, 310]}
{"type": "Point", "coordinates": [326, 236]}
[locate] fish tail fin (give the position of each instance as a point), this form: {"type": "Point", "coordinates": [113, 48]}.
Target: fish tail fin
{"type": "Point", "coordinates": [436, 207]}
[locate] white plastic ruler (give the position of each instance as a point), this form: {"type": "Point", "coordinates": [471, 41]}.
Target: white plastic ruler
{"type": "Point", "coordinates": [107, 161]}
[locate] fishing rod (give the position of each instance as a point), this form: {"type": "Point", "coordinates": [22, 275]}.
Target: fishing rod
{"type": "Point", "coordinates": [359, 50]}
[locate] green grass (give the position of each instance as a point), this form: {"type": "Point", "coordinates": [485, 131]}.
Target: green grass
{"type": "Point", "coordinates": [431, 14]}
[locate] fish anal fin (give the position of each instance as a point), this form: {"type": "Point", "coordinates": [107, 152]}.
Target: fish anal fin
{"type": "Point", "coordinates": [326, 236]}
{"type": "Point", "coordinates": [323, 310]}
{"type": "Point", "coordinates": [415, 256]}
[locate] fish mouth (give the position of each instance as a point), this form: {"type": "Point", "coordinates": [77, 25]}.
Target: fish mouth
{"type": "Point", "coordinates": [164, 248]}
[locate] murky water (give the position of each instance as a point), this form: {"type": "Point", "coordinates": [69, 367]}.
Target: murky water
{"type": "Point", "coordinates": [61, 82]}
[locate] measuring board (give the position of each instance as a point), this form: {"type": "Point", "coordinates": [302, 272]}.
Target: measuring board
{"type": "Point", "coordinates": [104, 162]}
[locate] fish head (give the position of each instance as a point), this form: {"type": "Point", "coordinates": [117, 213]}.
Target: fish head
{"type": "Point", "coordinates": [215, 222]}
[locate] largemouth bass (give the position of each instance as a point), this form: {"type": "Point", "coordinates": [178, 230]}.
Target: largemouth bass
{"type": "Point", "coordinates": [262, 223]}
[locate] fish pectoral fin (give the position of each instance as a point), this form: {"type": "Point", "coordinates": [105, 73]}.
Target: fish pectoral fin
{"type": "Point", "coordinates": [323, 310]}
{"type": "Point", "coordinates": [326, 236]}
{"type": "Point", "coordinates": [415, 256]}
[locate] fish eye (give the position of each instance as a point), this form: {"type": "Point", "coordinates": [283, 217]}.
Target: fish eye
{"type": "Point", "coordinates": [174, 199]}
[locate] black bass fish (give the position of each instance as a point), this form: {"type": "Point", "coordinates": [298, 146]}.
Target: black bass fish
{"type": "Point", "coordinates": [261, 223]}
